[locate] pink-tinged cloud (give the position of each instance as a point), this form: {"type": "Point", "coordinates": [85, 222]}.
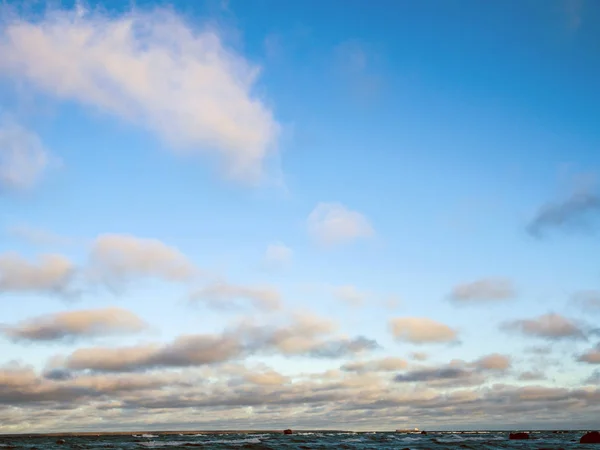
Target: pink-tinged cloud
{"type": "Point", "coordinates": [422, 330]}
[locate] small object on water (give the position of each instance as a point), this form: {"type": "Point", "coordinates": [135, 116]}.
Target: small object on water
{"type": "Point", "coordinates": [61, 441]}
{"type": "Point", "coordinates": [423, 432]}
{"type": "Point", "coordinates": [518, 436]}
{"type": "Point", "coordinates": [288, 431]}
{"type": "Point", "coordinates": [593, 437]}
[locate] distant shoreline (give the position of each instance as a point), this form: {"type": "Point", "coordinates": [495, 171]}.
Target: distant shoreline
{"type": "Point", "coordinates": [166, 433]}
{"type": "Point", "coordinates": [209, 432]}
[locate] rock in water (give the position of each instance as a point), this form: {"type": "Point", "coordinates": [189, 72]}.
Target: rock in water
{"type": "Point", "coordinates": [593, 437]}
{"type": "Point", "coordinates": [60, 441]}
{"type": "Point", "coordinates": [423, 432]}
{"type": "Point", "coordinates": [288, 431]}
{"type": "Point", "coordinates": [518, 436]}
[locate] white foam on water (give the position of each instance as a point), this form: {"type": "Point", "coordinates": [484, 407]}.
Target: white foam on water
{"type": "Point", "coordinates": [252, 440]}
{"type": "Point", "coordinates": [162, 444]}
{"type": "Point", "coordinates": [353, 440]}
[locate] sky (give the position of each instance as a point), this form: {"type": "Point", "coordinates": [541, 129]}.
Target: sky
{"type": "Point", "coordinates": [307, 214]}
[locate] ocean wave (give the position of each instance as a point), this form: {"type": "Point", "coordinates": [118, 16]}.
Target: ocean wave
{"type": "Point", "coordinates": [236, 442]}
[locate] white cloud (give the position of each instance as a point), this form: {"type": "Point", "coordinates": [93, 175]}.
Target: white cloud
{"type": "Point", "coordinates": [592, 356]}
{"type": "Point", "coordinates": [76, 324]}
{"type": "Point", "coordinates": [587, 300]}
{"type": "Point", "coordinates": [495, 361]}
{"type": "Point", "coordinates": [350, 294]}
{"type": "Point", "coordinates": [37, 236]}
{"type": "Point", "coordinates": [267, 378]}
{"type": "Point", "coordinates": [387, 364]}
{"type": "Point", "coordinates": [49, 273]}
{"type": "Point", "coordinates": [421, 330]}
{"type": "Point", "coordinates": [333, 223]}
{"type": "Point", "coordinates": [484, 290]}
{"type": "Point", "coordinates": [23, 157]}
{"type": "Point", "coordinates": [419, 356]}
{"type": "Point", "coordinates": [149, 68]}
{"type": "Point", "coordinates": [116, 258]}
{"type": "Point", "coordinates": [550, 326]}
{"type": "Point", "coordinates": [278, 255]}
{"type": "Point", "coordinates": [226, 295]}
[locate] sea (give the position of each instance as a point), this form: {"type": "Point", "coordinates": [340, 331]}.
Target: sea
{"type": "Point", "coordinates": [303, 440]}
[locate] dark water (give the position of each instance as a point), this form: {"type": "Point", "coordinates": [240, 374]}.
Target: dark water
{"type": "Point", "coordinates": [325, 440]}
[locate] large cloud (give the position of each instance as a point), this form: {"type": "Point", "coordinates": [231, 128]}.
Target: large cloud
{"type": "Point", "coordinates": [185, 351]}
{"type": "Point", "coordinates": [23, 157]}
{"type": "Point", "coordinates": [224, 295]}
{"type": "Point", "coordinates": [487, 289]}
{"type": "Point", "coordinates": [333, 224]}
{"type": "Point", "coordinates": [422, 330]}
{"type": "Point", "coordinates": [116, 258]}
{"type": "Point", "coordinates": [548, 326]}
{"type": "Point", "coordinates": [149, 68]}
{"type": "Point", "coordinates": [50, 273]}
{"type": "Point", "coordinates": [579, 212]}
{"type": "Point", "coordinates": [305, 335]}
{"type": "Point", "coordinates": [231, 396]}
{"type": "Point", "coordinates": [76, 324]}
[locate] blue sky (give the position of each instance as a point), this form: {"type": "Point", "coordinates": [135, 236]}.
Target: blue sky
{"type": "Point", "coordinates": [290, 197]}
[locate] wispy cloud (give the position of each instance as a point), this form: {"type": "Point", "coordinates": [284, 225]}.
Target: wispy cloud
{"type": "Point", "coordinates": [278, 255]}
{"type": "Point", "coordinates": [115, 259]}
{"type": "Point", "coordinates": [574, 12]}
{"type": "Point", "coordinates": [587, 300]}
{"type": "Point", "coordinates": [37, 236]}
{"type": "Point", "coordinates": [23, 157]}
{"type": "Point", "coordinates": [225, 295]}
{"type": "Point", "coordinates": [422, 330]}
{"type": "Point", "coordinates": [532, 375]}
{"type": "Point", "coordinates": [592, 356]}
{"type": "Point", "coordinates": [484, 290]}
{"type": "Point", "coordinates": [72, 325]}
{"type": "Point", "coordinates": [350, 294]}
{"type": "Point", "coordinates": [419, 356]}
{"type": "Point", "coordinates": [457, 372]}
{"type": "Point", "coordinates": [149, 68]}
{"type": "Point", "coordinates": [548, 326]}
{"type": "Point", "coordinates": [578, 213]}
{"type": "Point", "coordinates": [387, 364]}
{"type": "Point", "coordinates": [333, 224]}
{"type": "Point", "coordinates": [355, 65]}
{"type": "Point", "coordinates": [494, 361]}
{"type": "Point", "coordinates": [50, 273]}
